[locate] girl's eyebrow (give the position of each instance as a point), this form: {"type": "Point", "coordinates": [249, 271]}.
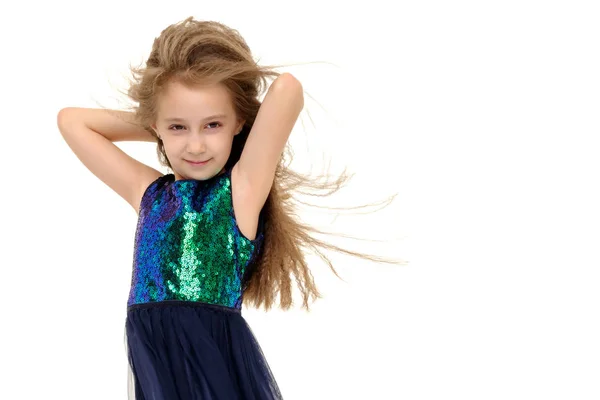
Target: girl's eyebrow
{"type": "Point", "coordinates": [177, 119]}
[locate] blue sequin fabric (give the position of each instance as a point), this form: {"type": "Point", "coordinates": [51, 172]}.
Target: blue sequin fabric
{"type": "Point", "coordinates": [188, 246]}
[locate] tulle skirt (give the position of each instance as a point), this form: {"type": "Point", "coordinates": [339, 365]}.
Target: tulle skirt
{"type": "Point", "coordinates": [180, 350]}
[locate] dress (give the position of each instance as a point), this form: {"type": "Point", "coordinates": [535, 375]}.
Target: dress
{"type": "Point", "coordinates": [185, 335]}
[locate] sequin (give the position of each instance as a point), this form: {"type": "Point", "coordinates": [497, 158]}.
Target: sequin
{"type": "Point", "coordinates": [188, 245]}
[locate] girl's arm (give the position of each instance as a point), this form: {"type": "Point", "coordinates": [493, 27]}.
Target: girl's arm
{"type": "Point", "coordinates": [90, 134]}
{"type": "Point", "coordinates": [115, 125]}
{"type": "Point", "coordinates": [273, 125]}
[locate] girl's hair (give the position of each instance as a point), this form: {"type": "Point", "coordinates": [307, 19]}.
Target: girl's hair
{"type": "Point", "coordinates": [204, 52]}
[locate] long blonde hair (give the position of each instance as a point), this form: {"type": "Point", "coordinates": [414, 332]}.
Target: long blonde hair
{"type": "Point", "coordinates": [193, 52]}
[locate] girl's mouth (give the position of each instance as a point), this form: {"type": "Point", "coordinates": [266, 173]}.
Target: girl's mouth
{"type": "Point", "coordinates": [199, 163]}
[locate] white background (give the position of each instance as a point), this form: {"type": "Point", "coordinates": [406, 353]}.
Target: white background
{"type": "Point", "coordinates": [482, 116]}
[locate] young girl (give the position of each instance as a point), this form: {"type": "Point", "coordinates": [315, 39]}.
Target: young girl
{"type": "Point", "coordinates": [220, 229]}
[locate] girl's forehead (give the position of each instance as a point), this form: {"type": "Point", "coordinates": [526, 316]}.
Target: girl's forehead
{"type": "Point", "coordinates": [181, 101]}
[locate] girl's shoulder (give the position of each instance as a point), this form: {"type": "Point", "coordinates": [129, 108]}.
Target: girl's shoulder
{"type": "Point", "coordinates": [151, 185]}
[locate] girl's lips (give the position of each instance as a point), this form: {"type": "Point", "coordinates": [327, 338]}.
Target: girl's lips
{"type": "Point", "coordinates": [197, 163]}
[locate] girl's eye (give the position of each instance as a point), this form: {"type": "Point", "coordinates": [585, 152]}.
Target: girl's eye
{"type": "Point", "coordinates": [172, 127]}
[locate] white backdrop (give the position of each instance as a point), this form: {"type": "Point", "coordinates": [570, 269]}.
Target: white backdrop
{"type": "Point", "coordinates": [482, 116]}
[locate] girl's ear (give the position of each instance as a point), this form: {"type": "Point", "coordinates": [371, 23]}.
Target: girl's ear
{"type": "Point", "coordinates": [153, 126]}
{"type": "Point", "coordinates": [240, 127]}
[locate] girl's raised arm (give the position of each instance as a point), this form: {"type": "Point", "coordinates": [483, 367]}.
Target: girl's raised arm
{"type": "Point", "coordinates": [267, 138]}
{"type": "Point", "coordinates": [90, 133]}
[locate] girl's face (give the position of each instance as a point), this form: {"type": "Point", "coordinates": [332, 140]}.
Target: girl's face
{"type": "Point", "coordinates": [196, 124]}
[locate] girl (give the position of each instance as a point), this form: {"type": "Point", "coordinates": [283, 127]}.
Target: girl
{"type": "Point", "coordinates": [219, 230]}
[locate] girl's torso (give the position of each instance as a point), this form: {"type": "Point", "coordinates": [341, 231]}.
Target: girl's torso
{"type": "Point", "coordinates": [188, 245]}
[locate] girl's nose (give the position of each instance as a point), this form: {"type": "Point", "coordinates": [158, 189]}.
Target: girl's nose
{"type": "Point", "coordinates": [196, 144]}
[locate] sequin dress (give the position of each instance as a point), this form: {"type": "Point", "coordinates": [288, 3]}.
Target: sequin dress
{"type": "Point", "coordinates": [185, 334]}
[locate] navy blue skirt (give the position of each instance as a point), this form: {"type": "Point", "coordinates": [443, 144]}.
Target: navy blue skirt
{"type": "Point", "coordinates": [180, 350]}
